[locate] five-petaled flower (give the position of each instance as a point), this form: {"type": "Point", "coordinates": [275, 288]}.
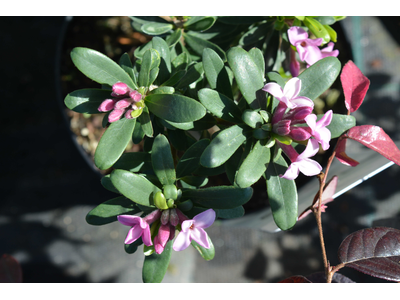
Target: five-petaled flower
{"type": "Point", "coordinates": [318, 129]}
{"type": "Point", "coordinates": [194, 230]}
{"type": "Point", "coordinates": [289, 94]}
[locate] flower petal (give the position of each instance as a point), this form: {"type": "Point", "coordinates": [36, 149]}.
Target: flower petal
{"type": "Point", "coordinates": [128, 220]}
{"type": "Point", "coordinates": [182, 241]}
{"type": "Point", "coordinates": [146, 236]}
{"type": "Point", "coordinates": [133, 234]}
{"type": "Point", "coordinates": [311, 149]}
{"type": "Point", "coordinates": [274, 89]}
{"type": "Point", "coordinates": [296, 34]}
{"type": "Point", "coordinates": [326, 119]}
{"type": "Point", "coordinates": [186, 225]}
{"type": "Point", "coordinates": [311, 121]}
{"type": "Point", "coordinates": [309, 167]}
{"type": "Point", "coordinates": [302, 101]}
{"type": "Point", "coordinates": [200, 237]}
{"type": "Point", "coordinates": [292, 172]}
{"type": "Point", "coordinates": [292, 88]}
{"type": "Point", "coordinates": [204, 219]}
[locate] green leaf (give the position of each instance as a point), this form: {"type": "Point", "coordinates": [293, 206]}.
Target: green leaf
{"type": "Point", "coordinates": [339, 124]}
{"type": "Point", "coordinates": [194, 73]}
{"type": "Point", "coordinates": [255, 34]}
{"type": "Point", "coordinates": [198, 45]}
{"type": "Point", "coordinates": [258, 57]}
{"type": "Point", "coordinates": [154, 28]}
{"type": "Point", "coordinates": [199, 23]}
{"type": "Point", "coordinates": [163, 163]}
{"type": "Point", "coordinates": [204, 123]}
{"type": "Point", "coordinates": [138, 134]}
{"type": "Point", "coordinates": [233, 20]}
{"type": "Point", "coordinates": [107, 184]}
{"type": "Point", "coordinates": [134, 187]}
{"type": "Point", "coordinates": [248, 77]}
{"type": "Point", "coordinates": [180, 62]}
{"type": "Point", "coordinates": [132, 161]}
{"type": "Point", "coordinates": [223, 146]}
{"type": "Point", "coordinates": [207, 254]}
{"type": "Point", "coordinates": [253, 166]}
{"type": "Point", "coordinates": [126, 65]}
{"type": "Point", "coordinates": [163, 90]}
{"type": "Point", "coordinates": [165, 64]}
{"type": "Point", "coordinates": [219, 197]}
{"type": "Point", "coordinates": [190, 160]}
{"type": "Point", "coordinates": [155, 266]}
{"type": "Point", "coordinates": [175, 78]}
{"type": "Point", "coordinates": [145, 122]}
{"type": "Point", "coordinates": [235, 212]}
{"type": "Point", "coordinates": [151, 61]}
{"type": "Point", "coordinates": [319, 77]}
{"type": "Point", "coordinates": [220, 105]}
{"type": "Point", "coordinates": [317, 29]}
{"type": "Point", "coordinates": [99, 67]}
{"type": "Point", "coordinates": [131, 248]}
{"type": "Point", "coordinates": [175, 108]}
{"type": "Point", "coordinates": [282, 195]}
{"type": "Point", "coordinates": [174, 38]}
{"type": "Point", "coordinates": [108, 211]}
{"type": "Point", "coordinates": [216, 73]}
{"type": "Point", "coordinates": [118, 134]}
{"type": "Point", "coordinates": [193, 181]}
{"type": "Point", "coordinates": [86, 101]}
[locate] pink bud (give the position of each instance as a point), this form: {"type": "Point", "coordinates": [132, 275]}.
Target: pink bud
{"type": "Point", "coordinates": [282, 127]}
{"type": "Point", "coordinates": [298, 113]}
{"type": "Point", "coordinates": [173, 217]}
{"type": "Point", "coordinates": [120, 88]}
{"type": "Point", "coordinates": [299, 134]}
{"type": "Point", "coordinates": [128, 114]}
{"type": "Point", "coordinates": [171, 232]}
{"type": "Point", "coordinates": [151, 217]}
{"type": "Point", "coordinates": [124, 103]}
{"type": "Point", "coordinates": [115, 115]}
{"type": "Point", "coordinates": [157, 245]}
{"type": "Point", "coordinates": [163, 234]}
{"type": "Point", "coordinates": [136, 96]}
{"type": "Point", "coordinates": [164, 217]}
{"type": "Point", "coordinates": [107, 105]}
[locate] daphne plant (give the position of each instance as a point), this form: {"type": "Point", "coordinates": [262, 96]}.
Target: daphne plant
{"type": "Point", "coordinates": [200, 105]}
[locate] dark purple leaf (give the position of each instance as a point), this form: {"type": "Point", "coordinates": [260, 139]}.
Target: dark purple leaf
{"type": "Point", "coordinates": [342, 156]}
{"type": "Point", "coordinates": [376, 139]}
{"type": "Point", "coordinates": [295, 279]}
{"type": "Point", "coordinates": [10, 270]}
{"type": "Point", "coordinates": [319, 277]}
{"type": "Point", "coordinates": [355, 86]}
{"type": "Point", "coordinates": [373, 251]}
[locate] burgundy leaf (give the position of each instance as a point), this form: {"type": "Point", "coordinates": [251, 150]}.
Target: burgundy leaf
{"type": "Point", "coordinates": [10, 270]}
{"type": "Point", "coordinates": [295, 279]}
{"type": "Point", "coordinates": [376, 139]}
{"type": "Point", "coordinates": [373, 251]}
{"type": "Point", "coordinates": [342, 156]}
{"type": "Point", "coordinates": [355, 86]}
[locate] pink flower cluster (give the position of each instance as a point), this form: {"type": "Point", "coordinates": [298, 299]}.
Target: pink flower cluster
{"type": "Point", "coordinates": [308, 49]}
{"type": "Point", "coordinates": [292, 111]}
{"type": "Point", "coordinates": [125, 100]}
{"type": "Point", "coordinates": [191, 229]}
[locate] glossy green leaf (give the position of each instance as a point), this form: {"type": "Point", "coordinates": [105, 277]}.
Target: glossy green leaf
{"type": "Point", "coordinates": [131, 248]}
{"type": "Point", "coordinates": [162, 90]}
{"type": "Point", "coordinates": [99, 67]}
{"type": "Point", "coordinates": [219, 197]}
{"type": "Point", "coordinates": [232, 213]}
{"type": "Point", "coordinates": [145, 122]}
{"type": "Point", "coordinates": [138, 133]}
{"type": "Point", "coordinates": [194, 73]}
{"type": "Point", "coordinates": [253, 166]}
{"type": "Point", "coordinates": [198, 45]}
{"type": "Point", "coordinates": [207, 254]}
{"type": "Point", "coordinates": [155, 28]}
{"type": "Point", "coordinates": [132, 161]}
{"type": "Point", "coordinates": [232, 20]}
{"type": "Point", "coordinates": [223, 146]}
{"type": "Point", "coordinates": [162, 48]}
{"type": "Point", "coordinates": [175, 78]}
{"type": "Point", "coordinates": [86, 101]}
{"type": "Point", "coordinates": [151, 61]}
{"type": "Point", "coordinates": [193, 181]}
{"type": "Point", "coordinates": [190, 160]}
{"type": "Point", "coordinates": [118, 134]}
{"type": "Point", "coordinates": [220, 105]}
{"type": "Point", "coordinates": [339, 124]}
{"type": "Point", "coordinates": [174, 38]}
{"type": "Point", "coordinates": [216, 73]}
{"type": "Point", "coordinates": [317, 29]}
{"type": "Point", "coordinates": [258, 57]}
{"type": "Point", "coordinates": [180, 62]}
{"type": "Point", "coordinates": [108, 211]}
{"type": "Point", "coordinates": [232, 164]}
{"type": "Point", "coordinates": [133, 186]}
{"type": "Point", "coordinates": [199, 23]}
{"type": "Point", "coordinates": [282, 195]}
{"type": "Point", "coordinates": [126, 64]}
{"type": "Point", "coordinates": [107, 184]}
{"type": "Point", "coordinates": [319, 77]}
{"type": "Point", "coordinates": [252, 118]}
{"type": "Point", "coordinates": [163, 163]}
{"type": "Point", "coordinates": [255, 34]}
{"type": "Point", "coordinates": [175, 108]}
{"type": "Point", "coordinates": [204, 123]}
{"type": "Point", "coordinates": [155, 266]}
{"type": "Point", "coordinates": [248, 76]}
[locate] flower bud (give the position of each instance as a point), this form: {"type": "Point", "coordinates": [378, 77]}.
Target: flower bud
{"type": "Point", "coordinates": [170, 191]}
{"type": "Point", "coordinates": [299, 134]}
{"type": "Point", "coordinates": [159, 200]}
{"type": "Point", "coordinates": [163, 234]}
{"type": "Point", "coordinates": [120, 88]}
{"type": "Point", "coordinates": [123, 103]}
{"type": "Point", "coordinates": [164, 217]}
{"type": "Point", "coordinates": [282, 127]}
{"type": "Point", "coordinates": [115, 115]}
{"type": "Point", "coordinates": [135, 96]}
{"type": "Point", "coordinates": [107, 105]}
{"type": "Point", "coordinates": [298, 114]}
{"type": "Point", "coordinates": [173, 217]}
{"type": "Point", "coordinates": [153, 216]}
{"type": "Point", "coordinates": [170, 203]}
{"type": "Point", "coordinates": [128, 114]}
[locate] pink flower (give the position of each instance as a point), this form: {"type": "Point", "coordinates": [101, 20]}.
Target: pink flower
{"type": "Point", "coordinates": [194, 230]}
{"type": "Point", "coordinates": [289, 94]}
{"type": "Point", "coordinates": [301, 163]}
{"type": "Point", "coordinates": [140, 226]}
{"type": "Point", "coordinates": [318, 130]}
